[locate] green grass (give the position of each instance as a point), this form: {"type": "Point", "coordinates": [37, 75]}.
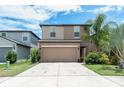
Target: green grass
{"type": "Point", "coordinates": [106, 70]}
{"type": "Point", "coordinates": [14, 68]}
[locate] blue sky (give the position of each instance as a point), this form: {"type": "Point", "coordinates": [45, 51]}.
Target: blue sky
{"type": "Point", "coordinates": [28, 17]}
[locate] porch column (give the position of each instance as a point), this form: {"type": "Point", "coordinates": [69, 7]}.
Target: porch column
{"type": "Point", "coordinates": [84, 54]}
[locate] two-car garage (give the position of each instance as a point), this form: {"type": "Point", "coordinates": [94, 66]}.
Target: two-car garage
{"type": "Point", "coordinates": [60, 52]}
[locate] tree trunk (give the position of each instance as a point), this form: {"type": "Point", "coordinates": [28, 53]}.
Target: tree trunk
{"type": "Point", "coordinates": [121, 64]}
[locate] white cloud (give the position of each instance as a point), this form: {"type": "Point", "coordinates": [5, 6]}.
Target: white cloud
{"type": "Point", "coordinates": [23, 12]}
{"type": "Point", "coordinates": [119, 7]}
{"type": "Point", "coordinates": [35, 13]}
{"type": "Point", "coordinates": [122, 21]}
{"type": "Point", "coordinates": [6, 27]}
{"type": "Point", "coordinates": [64, 8]}
{"type": "Point", "coordinates": [53, 10]}
{"type": "Point", "coordinates": [102, 9]}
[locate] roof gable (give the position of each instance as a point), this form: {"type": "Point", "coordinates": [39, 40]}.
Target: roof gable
{"type": "Point", "coordinates": [21, 31]}
{"type": "Point", "coordinates": [17, 42]}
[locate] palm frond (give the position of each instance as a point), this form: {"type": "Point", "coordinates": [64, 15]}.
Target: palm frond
{"type": "Point", "coordinates": [98, 22]}
{"type": "Point", "coordinates": [117, 41]}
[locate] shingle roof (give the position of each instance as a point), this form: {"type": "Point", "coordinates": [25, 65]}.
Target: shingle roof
{"type": "Point", "coordinates": [20, 31]}
{"type": "Point", "coordinates": [17, 42]}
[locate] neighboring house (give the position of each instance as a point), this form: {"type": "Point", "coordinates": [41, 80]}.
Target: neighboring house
{"type": "Point", "coordinates": [63, 42]}
{"type": "Point", "coordinates": [19, 41]}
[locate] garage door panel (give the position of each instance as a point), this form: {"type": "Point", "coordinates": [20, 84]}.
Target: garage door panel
{"type": "Point", "coordinates": [58, 54]}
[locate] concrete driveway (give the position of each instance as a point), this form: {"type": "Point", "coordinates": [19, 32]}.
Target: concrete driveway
{"type": "Point", "coordinates": [60, 75]}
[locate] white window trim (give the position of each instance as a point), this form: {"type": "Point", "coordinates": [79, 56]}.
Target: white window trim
{"type": "Point", "coordinates": [76, 29]}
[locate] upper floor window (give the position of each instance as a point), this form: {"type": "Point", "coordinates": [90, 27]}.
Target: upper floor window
{"type": "Point", "coordinates": [76, 34]}
{"type": "Point", "coordinates": [52, 32]}
{"type": "Point", "coordinates": [25, 37]}
{"type": "Point", "coordinates": [3, 34]}
{"type": "Point", "coordinates": [77, 31]}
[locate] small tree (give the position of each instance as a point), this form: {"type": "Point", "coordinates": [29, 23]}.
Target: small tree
{"type": "Point", "coordinates": [117, 42]}
{"type": "Point", "coordinates": [11, 57]}
{"type": "Point", "coordinates": [98, 32]}
{"type": "Point", "coordinates": [34, 55]}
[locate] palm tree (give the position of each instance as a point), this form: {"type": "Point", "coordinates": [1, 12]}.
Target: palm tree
{"type": "Point", "coordinates": [98, 33]}
{"type": "Point", "coordinates": [117, 41]}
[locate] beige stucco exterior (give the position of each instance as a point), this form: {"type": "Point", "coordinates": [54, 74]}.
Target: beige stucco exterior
{"type": "Point", "coordinates": [62, 32]}
{"type": "Point", "coordinates": [58, 29]}
{"type": "Point", "coordinates": [69, 32]}
{"type": "Point", "coordinates": [82, 31]}
{"type": "Point", "coordinates": [63, 47]}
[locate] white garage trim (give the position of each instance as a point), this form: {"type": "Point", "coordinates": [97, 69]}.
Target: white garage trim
{"type": "Point", "coordinates": [59, 46]}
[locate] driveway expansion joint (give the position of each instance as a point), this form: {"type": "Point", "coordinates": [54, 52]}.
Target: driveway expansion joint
{"type": "Point", "coordinates": [58, 75]}
{"type": "Point", "coordinates": [114, 81]}
{"type": "Point", "coordinates": [5, 79]}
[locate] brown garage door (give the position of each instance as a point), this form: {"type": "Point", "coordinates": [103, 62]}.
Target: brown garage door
{"type": "Point", "coordinates": [59, 54]}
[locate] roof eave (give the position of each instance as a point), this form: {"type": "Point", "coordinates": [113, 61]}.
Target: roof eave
{"type": "Point", "coordinates": [59, 41]}
{"type": "Point", "coordinates": [65, 25]}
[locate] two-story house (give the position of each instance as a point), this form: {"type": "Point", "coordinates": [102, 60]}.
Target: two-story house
{"type": "Point", "coordinates": [63, 42]}
{"type": "Point", "coordinates": [19, 41]}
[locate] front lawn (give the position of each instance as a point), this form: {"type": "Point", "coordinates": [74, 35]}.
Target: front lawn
{"type": "Point", "coordinates": [14, 68]}
{"type": "Point", "coordinates": [106, 70]}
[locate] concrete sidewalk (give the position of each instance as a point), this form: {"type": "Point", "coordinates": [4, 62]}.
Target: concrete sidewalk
{"type": "Point", "coordinates": [59, 75]}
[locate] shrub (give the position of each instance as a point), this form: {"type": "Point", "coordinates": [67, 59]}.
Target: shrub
{"type": "Point", "coordinates": [103, 58]}
{"type": "Point", "coordinates": [34, 55]}
{"type": "Point", "coordinates": [114, 60]}
{"type": "Point", "coordinates": [97, 58]}
{"type": "Point", "coordinates": [11, 56]}
{"type": "Point", "coordinates": [92, 58]}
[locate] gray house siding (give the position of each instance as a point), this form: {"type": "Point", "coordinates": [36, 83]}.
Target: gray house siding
{"type": "Point", "coordinates": [6, 43]}
{"type": "Point", "coordinates": [33, 39]}
{"type": "Point", "coordinates": [5, 46]}
{"type": "Point", "coordinates": [22, 52]}
{"type": "Point", "coordinates": [14, 41]}
{"type": "Point", "coordinates": [15, 36]}
{"type": "Point", "coordinates": [3, 53]}
{"type": "Point", "coordinates": [18, 36]}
